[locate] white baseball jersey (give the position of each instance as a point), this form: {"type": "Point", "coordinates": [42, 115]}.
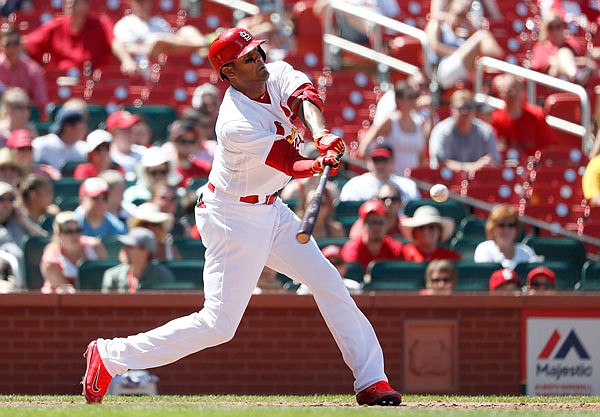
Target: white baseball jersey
{"type": "Point", "coordinates": [246, 130]}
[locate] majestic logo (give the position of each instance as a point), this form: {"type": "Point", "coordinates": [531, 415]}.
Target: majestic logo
{"type": "Point", "coordinates": [571, 342]}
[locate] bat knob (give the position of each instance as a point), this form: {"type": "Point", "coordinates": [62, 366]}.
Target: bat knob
{"type": "Point", "coordinates": [302, 237]}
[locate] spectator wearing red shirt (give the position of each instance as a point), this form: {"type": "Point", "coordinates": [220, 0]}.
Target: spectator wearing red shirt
{"type": "Point", "coordinates": [77, 39]}
{"type": "Point", "coordinates": [18, 70]}
{"type": "Point", "coordinates": [184, 139]}
{"type": "Point", "coordinates": [98, 142]}
{"type": "Point", "coordinates": [425, 231]}
{"type": "Point", "coordinates": [519, 125]}
{"type": "Point", "coordinates": [373, 243]}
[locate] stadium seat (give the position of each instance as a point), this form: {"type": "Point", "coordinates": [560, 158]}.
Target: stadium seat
{"type": "Point", "coordinates": [187, 272]}
{"type": "Point", "coordinates": [355, 272]}
{"type": "Point", "coordinates": [326, 241]}
{"type": "Point", "coordinates": [91, 273]}
{"type": "Point", "coordinates": [346, 212]}
{"type": "Point", "coordinates": [112, 245]}
{"type": "Point", "coordinates": [33, 248]}
{"type": "Point", "coordinates": [567, 274]}
{"type": "Point", "coordinates": [395, 276]}
{"type": "Point", "coordinates": [66, 187]}
{"type": "Point", "coordinates": [472, 227]}
{"type": "Point", "coordinates": [191, 249]}
{"type": "Point", "coordinates": [449, 208]}
{"type": "Point", "coordinates": [465, 246]}
{"type": "Point", "coordinates": [474, 276]}
{"type": "Point", "coordinates": [158, 117]}
{"type": "Point", "coordinates": [590, 277]}
{"type": "Point", "coordinates": [558, 249]}
{"type": "Point", "coordinates": [68, 168]}
{"type": "Point", "coordinates": [67, 202]}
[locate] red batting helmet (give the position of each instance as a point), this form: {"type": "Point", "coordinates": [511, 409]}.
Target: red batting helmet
{"type": "Point", "coordinates": [230, 45]}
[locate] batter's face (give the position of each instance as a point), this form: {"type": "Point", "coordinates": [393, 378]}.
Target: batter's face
{"type": "Point", "coordinates": [247, 70]}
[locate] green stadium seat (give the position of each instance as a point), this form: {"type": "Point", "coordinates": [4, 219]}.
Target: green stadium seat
{"type": "Point", "coordinates": [355, 272]}
{"type": "Point", "coordinates": [395, 276]}
{"type": "Point", "coordinates": [187, 272]}
{"type": "Point", "coordinates": [465, 246]}
{"type": "Point", "coordinates": [567, 273]}
{"type": "Point", "coordinates": [112, 245]}
{"type": "Point", "coordinates": [67, 202]}
{"type": "Point", "coordinates": [449, 208]}
{"type": "Point", "coordinates": [474, 276]}
{"type": "Point", "coordinates": [558, 249]}
{"type": "Point", "coordinates": [346, 212]}
{"type": "Point", "coordinates": [472, 227]}
{"type": "Point", "coordinates": [190, 248]}
{"type": "Point", "coordinates": [590, 277]}
{"type": "Point", "coordinates": [158, 118]}
{"type": "Point", "coordinates": [196, 182]}
{"type": "Point", "coordinates": [91, 273]}
{"type": "Point", "coordinates": [66, 187]}
{"type": "Point", "coordinates": [337, 241]}
{"type": "Point", "coordinates": [68, 168]}
{"type": "Point", "coordinates": [33, 248]}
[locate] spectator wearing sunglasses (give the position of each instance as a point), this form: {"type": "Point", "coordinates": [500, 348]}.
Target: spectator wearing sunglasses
{"type": "Point", "coordinates": [123, 149]}
{"type": "Point", "coordinates": [20, 143]}
{"type": "Point", "coordinates": [440, 277]}
{"type": "Point", "coordinates": [159, 223]}
{"type": "Point", "coordinates": [98, 155]}
{"type": "Point", "coordinates": [502, 229]}
{"type": "Point", "coordinates": [92, 214]}
{"type": "Point", "coordinates": [67, 249]}
{"type": "Point", "coordinates": [18, 70]}
{"type": "Point", "coordinates": [541, 280]}
{"type": "Point", "coordinates": [15, 112]}
{"type": "Point", "coordinates": [185, 140]}
{"type": "Point", "coordinates": [390, 196]}
{"type": "Point", "coordinates": [462, 142]}
{"type": "Point", "coordinates": [425, 231]}
{"type": "Point", "coordinates": [402, 130]}
{"type": "Point", "coordinates": [373, 243]}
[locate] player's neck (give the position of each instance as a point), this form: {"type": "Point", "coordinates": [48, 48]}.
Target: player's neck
{"type": "Point", "coordinates": [253, 90]}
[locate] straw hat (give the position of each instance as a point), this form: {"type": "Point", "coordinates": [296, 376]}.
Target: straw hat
{"type": "Point", "coordinates": [427, 215]}
{"type": "Point", "coordinates": [149, 212]}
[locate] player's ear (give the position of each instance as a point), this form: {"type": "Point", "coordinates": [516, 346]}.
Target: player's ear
{"type": "Point", "coordinates": [227, 71]}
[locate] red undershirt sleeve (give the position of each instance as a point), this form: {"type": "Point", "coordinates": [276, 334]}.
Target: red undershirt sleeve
{"type": "Point", "coordinates": [304, 92]}
{"type": "Point", "coordinates": [285, 158]}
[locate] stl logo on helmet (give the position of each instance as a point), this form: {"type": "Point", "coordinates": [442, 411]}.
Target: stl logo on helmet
{"type": "Point", "coordinates": [246, 36]}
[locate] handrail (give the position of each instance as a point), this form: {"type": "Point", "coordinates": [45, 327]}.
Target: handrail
{"type": "Point", "coordinates": [244, 6]}
{"type": "Point", "coordinates": [378, 20]}
{"type": "Point", "coordinates": [532, 78]}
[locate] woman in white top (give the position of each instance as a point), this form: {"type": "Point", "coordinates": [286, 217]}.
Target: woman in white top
{"type": "Point", "coordinates": [402, 131]}
{"type": "Point", "coordinates": [502, 229]}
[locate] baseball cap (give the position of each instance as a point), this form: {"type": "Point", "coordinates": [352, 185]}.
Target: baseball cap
{"type": "Point", "coordinates": [139, 236]}
{"type": "Point", "coordinates": [371, 206]}
{"type": "Point", "coordinates": [503, 276]}
{"type": "Point", "coordinates": [96, 138]}
{"type": "Point", "coordinates": [381, 151]}
{"type": "Point", "coordinates": [65, 116]}
{"type": "Point", "coordinates": [93, 187]}
{"type": "Point", "coordinates": [6, 188]}
{"type": "Point", "coordinates": [121, 119]}
{"type": "Point", "coordinates": [20, 138]}
{"type": "Point", "coordinates": [541, 270]}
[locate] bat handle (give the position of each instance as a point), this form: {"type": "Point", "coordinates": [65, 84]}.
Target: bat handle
{"type": "Point", "coordinates": [308, 222]}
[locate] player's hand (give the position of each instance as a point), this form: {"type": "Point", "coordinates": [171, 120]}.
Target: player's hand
{"type": "Point", "coordinates": [329, 142]}
{"type": "Point", "coordinates": [331, 158]}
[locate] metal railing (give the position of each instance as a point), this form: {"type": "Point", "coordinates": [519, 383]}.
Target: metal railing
{"type": "Point", "coordinates": [374, 22]}
{"type": "Point", "coordinates": [532, 79]}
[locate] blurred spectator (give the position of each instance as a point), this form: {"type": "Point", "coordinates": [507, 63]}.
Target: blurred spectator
{"type": "Point", "coordinates": [590, 182]}
{"type": "Point", "coordinates": [148, 216]}
{"type": "Point", "coordinates": [78, 40]}
{"type": "Point", "coordinates": [505, 280]}
{"type": "Point", "coordinates": [441, 277]}
{"type": "Point", "coordinates": [425, 232]}
{"type": "Point", "coordinates": [207, 100]}
{"type": "Point", "coordinates": [268, 282]}
{"type": "Point", "coordinates": [123, 150]}
{"type": "Point", "coordinates": [64, 142]}
{"type": "Point", "coordinates": [438, 8]}
{"type": "Point", "coordinates": [558, 54]}
{"type": "Point", "coordinates": [141, 133]}
{"type": "Point", "coordinates": [165, 198]}
{"type": "Point", "coordinates": [595, 150]}
{"type": "Point", "coordinates": [402, 131]}
{"type": "Point", "coordinates": [92, 213]}
{"type": "Point", "coordinates": [15, 225]}
{"type": "Point", "coordinates": [462, 142]}
{"type": "Point", "coordinates": [15, 113]}
{"type": "Point", "coordinates": [18, 70]}
{"type": "Point", "coordinates": [325, 225]}
{"type": "Point", "coordinates": [184, 141]}
{"type": "Point", "coordinates": [98, 155]}
{"type": "Point", "coordinates": [116, 188]}
{"type": "Point", "coordinates": [36, 197]}
{"type": "Point", "coordinates": [333, 253]}
{"type": "Point", "coordinates": [541, 280]}
{"type": "Point", "coordinates": [145, 35]}
{"type": "Point", "coordinates": [205, 131]}
{"type": "Point", "coordinates": [502, 229]}
{"type": "Point", "coordinates": [20, 142]}
{"type": "Point", "coordinates": [139, 270]}
{"type": "Point", "coordinates": [155, 166]}
{"type": "Point", "coordinates": [389, 194]}
{"type": "Point", "coordinates": [11, 169]}
{"type": "Point", "coordinates": [455, 43]}
{"type": "Point", "coordinates": [519, 125]}
{"type": "Point", "coordinates": [63, 255]}
{"type": "Point", "coordinates": [8, 281]}
{"type": "Point", "coordinates": [374, 243]}
{"type": "Point", "coordinates": [381, 170]}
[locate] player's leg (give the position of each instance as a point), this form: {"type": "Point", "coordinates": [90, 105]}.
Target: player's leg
{"type": "Point", "coordinates": [234, 258]}
{"type": "Point", "coordinates": [351, 330]}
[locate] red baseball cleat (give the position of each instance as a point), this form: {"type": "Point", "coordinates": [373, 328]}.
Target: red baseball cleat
{"type": "Point", "coordinates": [96, 379]}
{"type": "Point", "coordinates": [380, 393]}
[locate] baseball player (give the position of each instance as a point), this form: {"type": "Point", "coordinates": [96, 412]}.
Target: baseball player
{"type": "Point", "coordinates": [245, 226]}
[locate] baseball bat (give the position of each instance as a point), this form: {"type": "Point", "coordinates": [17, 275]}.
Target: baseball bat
{"type": "Point", "coordinates": [310, 216]}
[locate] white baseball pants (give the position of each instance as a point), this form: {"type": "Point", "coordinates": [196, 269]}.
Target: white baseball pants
{"type": "Point", "coordinates": [241, 238]}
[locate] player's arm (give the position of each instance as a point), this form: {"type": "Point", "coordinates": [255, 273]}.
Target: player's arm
{"type": "Point", "coordinates": [285, 158]}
